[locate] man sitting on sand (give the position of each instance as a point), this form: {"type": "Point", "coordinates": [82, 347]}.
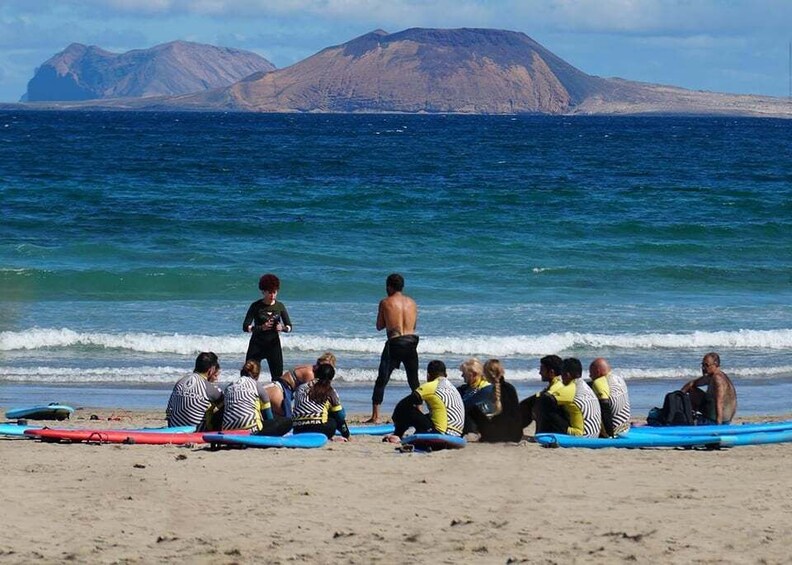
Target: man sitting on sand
{"type": "Point", "coordinates": [550, 369]}
{"type": "Point", "coordinates": [718, 403]}
{"type": "Point", "coordinates": [397, 315]}
{"type": "Point", "coordinates": [446, 410]}
{"type": "Point", "coordinates": [196, 400]}
{"type": "Point", "coordinates": [577, 400]}
{"type": "Point", "coordinates": [611, 391]}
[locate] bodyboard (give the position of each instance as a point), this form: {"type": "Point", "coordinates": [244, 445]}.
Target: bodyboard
{"type": "Point", "coordinates": [433, 442]}
{"type": "Point", "coordinates": [51, 411]}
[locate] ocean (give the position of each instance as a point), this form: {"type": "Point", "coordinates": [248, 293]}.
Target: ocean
{"type": "Point", "coordinates": [131, 241]}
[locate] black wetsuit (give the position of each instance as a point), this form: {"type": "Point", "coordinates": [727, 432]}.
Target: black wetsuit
{"type": "Point", "coordinates": [507, 425]}
{"type": "Point", "coordinates": [397, 350]}
{"type": "Point", "coordinates": [265, 344]}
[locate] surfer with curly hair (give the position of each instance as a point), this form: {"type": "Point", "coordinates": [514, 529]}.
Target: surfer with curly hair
{"type": "Point", "coordinates": [265, 319]}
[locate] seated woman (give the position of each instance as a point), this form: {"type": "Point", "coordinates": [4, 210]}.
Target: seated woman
{"type": "Point", "coordinates": [317, 407]}
{"type": "Point", "coordinates": [281, 390]}
{"type": "Point", "coordinates": [446, 410]}
{"type": "Point", "coordinates": [475, 389]}
{"type": "Point", "coordinates": [247, 405]}
{"type": "Point", "coordinates": [498, 417]}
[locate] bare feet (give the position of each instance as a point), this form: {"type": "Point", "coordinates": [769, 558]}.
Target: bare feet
{"type": "Point", "coordinates": [340, 439]}
{"type": "Point", "coordinates": [374, 415]}
{"type": "Point", "coordinates": [391, 438]}
{"type": "Point", "coordinates": [371, 420]}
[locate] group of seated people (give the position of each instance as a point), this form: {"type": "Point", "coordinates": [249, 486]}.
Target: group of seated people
{"type": "Point", "coordinates": [301, 400]}
{"type": "Point", "coordinates": [485, 408]}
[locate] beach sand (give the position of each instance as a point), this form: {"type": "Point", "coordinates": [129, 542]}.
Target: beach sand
{"type": "Point", "coordinates": [364, 502]}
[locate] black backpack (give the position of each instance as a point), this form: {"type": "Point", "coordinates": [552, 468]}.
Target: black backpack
{"type": "Point", "coordinates": [676, 411]}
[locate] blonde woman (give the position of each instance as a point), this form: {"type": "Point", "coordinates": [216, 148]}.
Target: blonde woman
{"type": "Point", "coordinates": [498, 418]}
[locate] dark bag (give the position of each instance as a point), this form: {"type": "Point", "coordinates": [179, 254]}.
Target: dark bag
{"type": "Point", "coordinates": [676, 411]}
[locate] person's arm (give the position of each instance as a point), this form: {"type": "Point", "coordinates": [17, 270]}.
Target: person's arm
{"type": "Point", "coordinates": [700, 381]}
{"type": "Point", "coordinates": [381, 316]}
{"type": "Point", "coordinates": [338, 413]}
{"type": "Point", "coordinates": [606, 407]}
{"type": "Point", "coordinates": [250, 319]}
{"type": "Point", "coordinates": [265, 405]}
{"type": "Point", "coordinates": [285, 321]}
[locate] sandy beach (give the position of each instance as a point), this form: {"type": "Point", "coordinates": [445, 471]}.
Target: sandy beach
{"type": "Point", "coordinates": [364, 502]}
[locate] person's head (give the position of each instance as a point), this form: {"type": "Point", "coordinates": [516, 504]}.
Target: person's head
{"type": "Point", "coordinates": [251, 368]}
{"type": "Point", "coordinates": [710, 364]}
{"type": "Point", "coordinates": [322, 383]}
{"type": "Point", "coordinates": [394, 283]}
{"type": "Point", "coordinates": [207, 364]}
{"type": "Point", "coordinates": [494, 371]}
{"type": "Point", "coordinates": [434, 370]}
{"type": "Point", "coordinates": [572, 370]}
{"type": "Point", "coordinates": [327, 358]}
{"type": "Point", "coordinates": [599, 368]}
{"type": "Point", "coordinates": [550, 366]}
{"type": "Point", "coordinates": [472, 371]}
{"type": "Point", "coordinates": [269, 285]}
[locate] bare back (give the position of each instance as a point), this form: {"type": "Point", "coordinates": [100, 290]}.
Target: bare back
{"type": "Point", "coordinates": [397, 315]}
{"type": "Point", "coordinates": [275, 394]}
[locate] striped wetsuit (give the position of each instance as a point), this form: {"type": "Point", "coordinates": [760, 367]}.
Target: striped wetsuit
{"type": "Point", "coordinates": [582, 407]}
{"type": "Point", "coordinates": [611, 390]}
{"type": "Point", "coordinates": [309, 414]}
{"type": "Point", "coordinates": [192, 401]}
{"type": "Point", "coordinates": [244, 401]}
{"type": "Point", "coordinates": [446, 408]}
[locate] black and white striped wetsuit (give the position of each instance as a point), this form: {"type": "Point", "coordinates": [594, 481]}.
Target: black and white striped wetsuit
{"type": "Point", "coordinates": [192, 400]}
{"type": "Point", "coordinates": [244, 401]}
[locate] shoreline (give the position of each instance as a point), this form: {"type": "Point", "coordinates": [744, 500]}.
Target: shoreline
{"type": "Point", "coordinates": [362, 502]}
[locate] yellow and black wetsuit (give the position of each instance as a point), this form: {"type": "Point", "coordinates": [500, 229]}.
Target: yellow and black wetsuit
{"type": "Point", "coordinates": [446, 410]}
{"type": "Point", "coordinates": [246, 403]}
{"type": "Point", "coordinates": [611, 391]}
{"type": "Point", "coordinates": [581, 406]}
{"type": "Point", "coordinates": [528, 406]}
{"type": "Point", "coordinates": [325, 417]}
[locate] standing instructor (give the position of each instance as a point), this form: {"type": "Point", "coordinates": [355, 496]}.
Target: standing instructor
{"type": "Point", "coordinates": [397, 315]}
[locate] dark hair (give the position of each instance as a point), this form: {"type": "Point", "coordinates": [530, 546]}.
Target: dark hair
{"type": "Point", "coordinates": [573, 367]}
{"type": "Point", "coordinates": [714, 357]}
{"type": "Point", "coordinates": [395, 281]}
{"type": "Point", "coordinates": [554, 363]}
{"type": "Point", "coordinates": [251, 368]}
{"type": "Point", "coordinates": [205, 361]}
{"type": "Point", "coordinates": [436, 369]}
{"type": "Point", "coordinates": [322, 383]}
{"type": "Point", "coordinates": [269, 282]}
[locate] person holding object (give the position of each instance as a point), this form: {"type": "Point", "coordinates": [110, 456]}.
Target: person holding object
{"type": "Point", "coordinates": [718, 404]}
{"type": "Point", "coordinates": [265, 319]}
{"type": "Point", "coordinates": [397, 315]}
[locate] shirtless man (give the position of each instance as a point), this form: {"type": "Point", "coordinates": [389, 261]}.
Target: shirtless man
{"type": "Point", "coordinates": [397, 315]}
{"type": "Point", "coordinates": [719, 402]}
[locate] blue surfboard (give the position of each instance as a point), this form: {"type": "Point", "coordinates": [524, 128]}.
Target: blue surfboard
{"type": "Point", "coordinates": [625, 442]}
{"type": "Point", "coordinates": [306, 440]}
{"type": "Point", "coordinates": [758, 438]}
{"type": "Point", "coordinates": [713, 429]}
{"type": "Point", "coordinates": [433, 442]}
{"type": "Point", "coordinates": [51, 411]}
{"type": "Point", "coordinates": [14, 430]}
{"type": "Point", "coordinates": [370, 430]}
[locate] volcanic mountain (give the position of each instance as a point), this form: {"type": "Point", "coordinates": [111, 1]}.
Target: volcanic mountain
{"type": "Point", "coordinates": [84, 73]}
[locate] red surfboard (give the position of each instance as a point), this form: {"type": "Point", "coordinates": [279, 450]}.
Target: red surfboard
{"type": "Point", "coordinates": [122, 436]}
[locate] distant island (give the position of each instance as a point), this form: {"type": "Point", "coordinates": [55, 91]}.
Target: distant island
{"type": "Point", "coordinates": [459, 71]}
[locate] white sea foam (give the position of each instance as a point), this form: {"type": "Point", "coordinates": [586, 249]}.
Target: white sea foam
{"type": "Point", "coordinates": [153, 375]}
{"type": "Point", "coordinates": [500, 346]}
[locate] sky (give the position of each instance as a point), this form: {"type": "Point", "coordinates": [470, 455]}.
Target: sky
{"type": "Point", "coordinates": [734, 46]}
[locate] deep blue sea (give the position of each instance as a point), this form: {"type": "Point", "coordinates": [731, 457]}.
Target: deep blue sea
{"type": "Point", "coordinates": [131, 241]}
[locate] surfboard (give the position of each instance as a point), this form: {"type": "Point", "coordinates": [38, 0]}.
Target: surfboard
{"type": "Point", "coordinates": [122, 436]}
{"type": "Point", "coordinates": [52, 411]}
{"type": "Point", "coordinates": [713, 429]}
{"type": "Point", "coordinates": [433, 442]}
{"type": "Point", "coordinates": [758, 438]}
{"type": "Point", "coordinates": [14, 429]}
{"type": "Point", "coordinates": [625, 442]}
{"type": "Point", "coordinates": [304, 441]}
{"type": "Point", "coordinates": [370, 430]}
